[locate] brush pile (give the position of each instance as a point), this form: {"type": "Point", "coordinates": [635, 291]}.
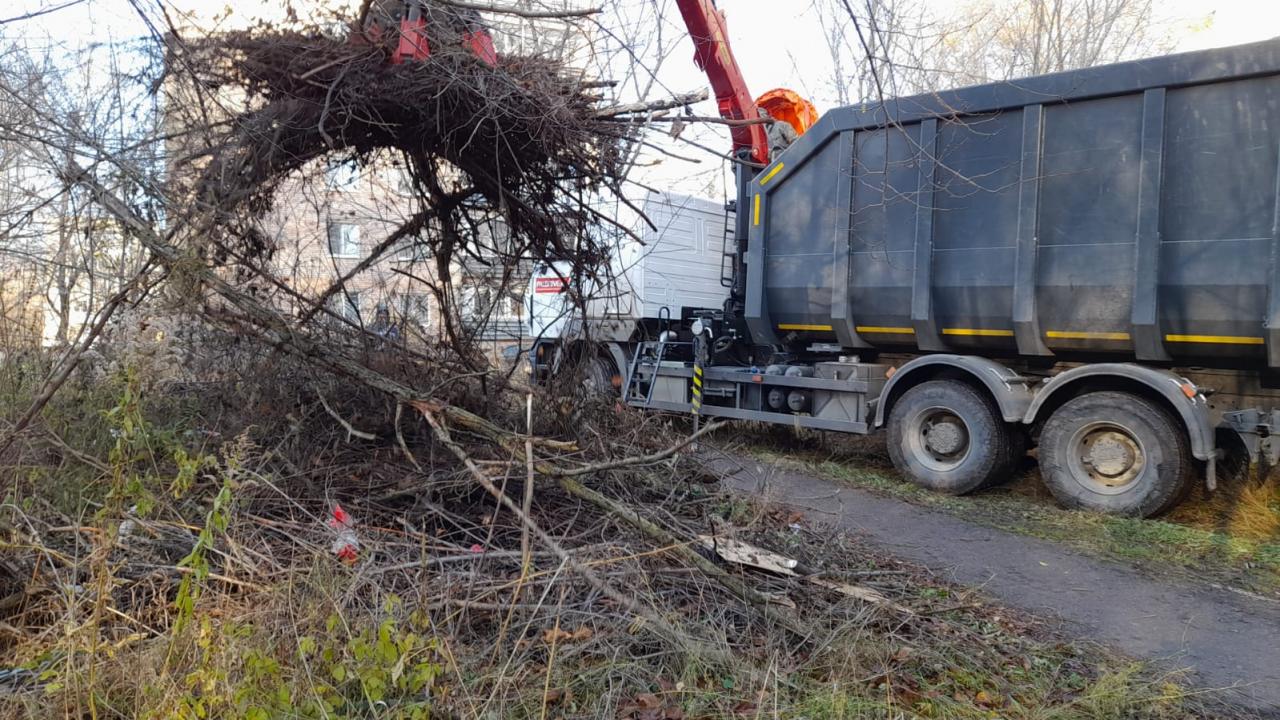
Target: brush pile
{"type": "Point", "coordinates": [211, 581]}
{"type": "Point", "coordinates": [522, 140]}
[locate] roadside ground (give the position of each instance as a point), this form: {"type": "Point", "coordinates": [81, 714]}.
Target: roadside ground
{"type": "Point", "coordinates": [1016, 551]}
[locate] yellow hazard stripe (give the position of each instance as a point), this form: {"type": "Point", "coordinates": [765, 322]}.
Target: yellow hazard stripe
{"type": "Point", "coordinates": [977, 332]}
{"type": "Point", "coordinates": [697, 381]}
{"type": "Point", "coordinates": [803, 326]}
{"type": "Point", "coordinates": [756, 215]}
{"type": "Point", "coordinates": [1085, 335]}
{"type": "Point", "coordinates": [769, 175]}
{"type": "Point", "coordinates": [1216, 339]}
{"type": "Point", "coordinates": [885, 330]}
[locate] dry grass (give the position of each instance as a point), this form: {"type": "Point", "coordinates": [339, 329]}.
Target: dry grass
{"type": "Point", "coordinates": [1246, 506]}
{"type": "Point", "coordinates": [224, 599]}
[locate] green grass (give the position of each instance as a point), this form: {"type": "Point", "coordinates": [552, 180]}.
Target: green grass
{"type": "Point", "coordinates": [1024, 507]}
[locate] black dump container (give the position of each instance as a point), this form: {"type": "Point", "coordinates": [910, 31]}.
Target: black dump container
{"type": "Point", "coordinates": [1120, 212]}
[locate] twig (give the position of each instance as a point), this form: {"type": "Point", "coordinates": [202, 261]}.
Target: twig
{"type": "Point", "coordinates": [682, 550]}
{"type": "Point", "coordinates": [404, 447]}
{"type": "Point", "coordinates": [528, 481]}
{"type": "Point", "coordinates": [351, 431]}
{"type": "Point", "coordinates": [636, 460]}
{"type": "Point", "coordinates": [688, 98]}
{"type": "Point", "coordinates": [650, 616]}
{"type": "Point", "coordinates": [518, 12]}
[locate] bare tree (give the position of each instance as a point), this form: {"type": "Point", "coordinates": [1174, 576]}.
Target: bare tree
{"type": "Point", "coordinates": [909, 47]}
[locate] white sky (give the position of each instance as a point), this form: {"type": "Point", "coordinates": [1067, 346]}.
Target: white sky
{"type": "Point", "coordinates": [777, 43]}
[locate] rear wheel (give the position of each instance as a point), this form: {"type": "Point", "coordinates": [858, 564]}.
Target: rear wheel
{"type": "Point", "coordinates": [945, 436]}
{"type": "Point", "coordinates": [1116, 453]}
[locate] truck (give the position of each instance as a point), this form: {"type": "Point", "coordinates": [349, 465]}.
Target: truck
{"type": "Point", "coordinates": [667, 271]}
{"type": "Point", "coordinates": [1086, 262]}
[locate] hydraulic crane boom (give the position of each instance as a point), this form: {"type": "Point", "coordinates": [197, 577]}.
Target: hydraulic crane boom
{"type": "Point", "coordinates": [714, 57]}
{"type": "Point", "coordinates": [411, 20]}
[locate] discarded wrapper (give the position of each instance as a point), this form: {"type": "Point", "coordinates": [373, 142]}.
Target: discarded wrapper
{"type": "Point", "coordinates": [346, 544]}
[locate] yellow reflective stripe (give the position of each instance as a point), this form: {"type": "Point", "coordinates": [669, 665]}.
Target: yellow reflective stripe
{"type": "Point", "coordinates": [885, 330]}
{"type": "Point", "coordinates": [769, 175]}
{"type": "Point", "coordinates": [756, 216]}
{"type": "Point", "coordinates": [1216, 339]}
{"type": "Point", "coordinates": [1085, 335]}
{"type": "Point", "coordinates": [802, 326]}
{"type": "Point", "coordinates": [977, 332]}
{"type": "Point", "coordinates": [697, 381]}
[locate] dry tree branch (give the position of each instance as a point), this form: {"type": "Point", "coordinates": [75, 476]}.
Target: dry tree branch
{"type": "Point", "coordinates": [519, 12]}
{"type": "Point", "coordinates": [650, 616]}
{"type": "Point", "coordinates": [682, 100]}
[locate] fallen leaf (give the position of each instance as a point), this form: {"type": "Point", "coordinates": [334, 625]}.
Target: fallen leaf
{"type": "Point", "coordinates": [555, 635]}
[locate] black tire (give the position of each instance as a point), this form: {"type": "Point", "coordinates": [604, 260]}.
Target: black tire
{"type": "Point", "coordinates": [946, 436]}
{"type": "Point", "coordinates": [597, 377]}
{"type": "Point", "coordinates": [1116, 453]}
{"type": "Point", "coordinates": [1019, 444]}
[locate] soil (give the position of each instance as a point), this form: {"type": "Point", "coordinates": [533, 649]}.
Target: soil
{"type": "Point", "coordinates": [1227, 639]}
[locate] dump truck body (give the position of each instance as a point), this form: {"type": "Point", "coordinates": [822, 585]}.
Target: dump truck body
{"type": "Point", "coordinates": [1122, 212]}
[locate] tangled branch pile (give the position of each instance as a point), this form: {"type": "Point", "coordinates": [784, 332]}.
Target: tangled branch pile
{"type": "Point", "coordinates": [523, 139]}
{"type": "Point", "coordinates": [218, 593]}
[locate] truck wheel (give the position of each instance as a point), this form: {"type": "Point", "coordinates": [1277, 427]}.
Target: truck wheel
{"type": "Point", "coordinates": [597, 377]}
{"type": "Point", "coordinates": [946, 436]}
{"type": "Point", "coordinates": [1115, 453]}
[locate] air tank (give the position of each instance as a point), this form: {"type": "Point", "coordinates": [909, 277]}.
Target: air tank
{"type": "Point", "coordinates": [1121, 212]}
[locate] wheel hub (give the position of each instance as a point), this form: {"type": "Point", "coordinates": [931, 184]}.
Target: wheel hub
{"type": "Point", "coordinates": [945, 437]}
{"type": "Point", "coordinates": [1111, 456]}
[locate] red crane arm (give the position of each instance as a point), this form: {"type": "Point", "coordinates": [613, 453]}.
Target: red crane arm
{"type": "Point", "coordinates": [714, 57]}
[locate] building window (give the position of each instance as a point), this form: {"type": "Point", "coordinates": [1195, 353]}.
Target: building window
{"type": "Point", "coordinates": [346, 305]}
{"type": "Point", "coordinates": [342, 175]}
{"type": "Point", "coordinates": [344, 240]}
{"type": "Point", "coordinates": [413, 308]}
{"type": "Point", "coordinates": [477, 301]}
{"type": "Point", "coordinates": [515, 305]}
{"type": "Point", "coordinates": [412, 250]}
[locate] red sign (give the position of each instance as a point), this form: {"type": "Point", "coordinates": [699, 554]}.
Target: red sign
{"type": "Point", "coordinates": [553, 285]}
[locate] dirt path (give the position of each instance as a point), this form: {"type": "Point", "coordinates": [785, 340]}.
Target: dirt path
{"type": "Point", "coordinates": [1227, 638]}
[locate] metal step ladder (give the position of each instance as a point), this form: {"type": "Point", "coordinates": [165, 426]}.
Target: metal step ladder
{"type": "Point", "coordinates": [648, 356]}
{"type": "Point", "coordinates": [728, 249]}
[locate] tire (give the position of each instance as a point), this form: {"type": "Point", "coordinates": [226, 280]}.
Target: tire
{"type": "Point", "coordinates": [1116, 453]}
{"type": "Point", "coordinates": [1019, 444]}
{"type": "Point", "coordinates": [597, 377]}
{"type": "Point", "coordinates": [970, 444]}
